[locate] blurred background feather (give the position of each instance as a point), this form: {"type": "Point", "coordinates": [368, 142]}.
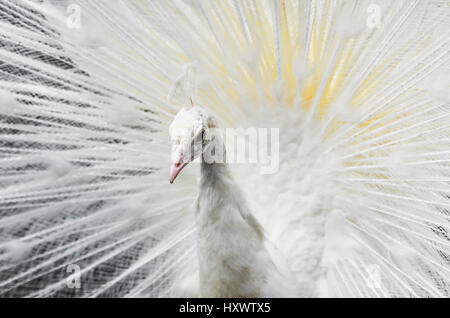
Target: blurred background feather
{"type": "Point", "coordinates": [359, 90]}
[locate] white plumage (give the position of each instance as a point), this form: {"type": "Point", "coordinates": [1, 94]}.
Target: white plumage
{"type": "Point", "coordinates": [359, 206]}
{"type": "Point", "coordinates": [234, 258]}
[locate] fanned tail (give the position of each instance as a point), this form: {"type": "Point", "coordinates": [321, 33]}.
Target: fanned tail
{"type": "Point", "coordinates": [359, 206]}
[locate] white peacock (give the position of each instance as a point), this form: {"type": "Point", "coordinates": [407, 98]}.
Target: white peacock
{"type": "Point", "coordinates": [358, 208]}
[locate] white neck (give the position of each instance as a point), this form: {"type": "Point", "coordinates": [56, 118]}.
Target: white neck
{"type": "Point", "coordinates": [215, 180]}
{"type": "Point", "coordinates": [216, 176]}
{"type": "Point", "coordinates": [230, 241]}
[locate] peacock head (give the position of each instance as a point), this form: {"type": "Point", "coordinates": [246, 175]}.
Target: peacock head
{"type": "Point", "coordinates": [190, 134]}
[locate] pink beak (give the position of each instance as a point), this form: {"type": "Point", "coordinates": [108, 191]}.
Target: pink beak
{"type": "Point", "coordinates": [175, 169]}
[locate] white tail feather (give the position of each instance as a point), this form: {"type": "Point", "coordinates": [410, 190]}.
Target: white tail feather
{"type": "Point", "coordinates": [360, 205]}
